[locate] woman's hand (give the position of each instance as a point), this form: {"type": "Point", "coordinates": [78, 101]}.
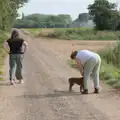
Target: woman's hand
{"type": "Point", "coordinates": [25, 45]}
{"type": "Point", "coordinates": [6, 47]}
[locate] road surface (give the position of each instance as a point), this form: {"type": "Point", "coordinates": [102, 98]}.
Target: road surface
{"type": "Point", "coordinates": [45, 96]}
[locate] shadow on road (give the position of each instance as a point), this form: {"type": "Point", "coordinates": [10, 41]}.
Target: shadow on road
{"type": "Point", "coordinates": [57, 94]}
{"type": "Point", "coordinates": [54, 94]}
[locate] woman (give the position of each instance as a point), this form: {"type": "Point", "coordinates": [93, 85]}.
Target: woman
{"type": "Point", "coordinates": [16, 47]}
{"type": "Point", "coordinates": [89, 63]}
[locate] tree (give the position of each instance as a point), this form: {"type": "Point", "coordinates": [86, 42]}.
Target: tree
{"type": "Point", "coordinates": [83, 20]}
{"type": "Point", "coordinates": [23, 16]}
{"type": "Point", "coordinates": [66, 19]}
{"type": "Point", "coordinates": [45, 21]}
{"type": "Point", "coordinates": [84, 17]}
{"type": "Point", "coordinates": [115, 20]}
{"type": "Point", "coordinates": [104, 14]}
{"type": "Point", "coordinates": [8, 12]}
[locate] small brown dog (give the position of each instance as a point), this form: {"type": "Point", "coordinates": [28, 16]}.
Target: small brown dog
{"type": "Point", "coordinates": [78, 81]}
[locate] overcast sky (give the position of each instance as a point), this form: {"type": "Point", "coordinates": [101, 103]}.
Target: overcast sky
{"type": "Point", "coordinates": [71, 7]}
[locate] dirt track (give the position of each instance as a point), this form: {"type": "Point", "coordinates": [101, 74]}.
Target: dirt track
{"type": "Point", "coordinates": [45, 96]}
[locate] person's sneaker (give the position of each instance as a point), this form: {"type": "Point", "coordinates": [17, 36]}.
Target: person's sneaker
{"type": "Point", "coordinates": [96, 90]}
{"type": "Point", "coordinates": [85, 91]}
{"type": "Point", "coordinates": [12, 82]}
{"type": "Point", "coordinates": [21, 81]}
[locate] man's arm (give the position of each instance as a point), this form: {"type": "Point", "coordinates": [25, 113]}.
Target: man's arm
{"type": "Point", "coordinates": [80, 66]}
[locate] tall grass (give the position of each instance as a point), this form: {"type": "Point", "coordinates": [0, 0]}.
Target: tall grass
{"type": "Point", "coordinates": [34, 31]}
{"type": "Point", "coordinates": [84, 34]}
{"type": "Point", "coordinates": [75, 33]}
{"type": "Point", "coordinates": [111, 55]}
{"type": "Point", "coordinates": [3, 36]}
{"type": "Point", "coordinates": [110, 70]}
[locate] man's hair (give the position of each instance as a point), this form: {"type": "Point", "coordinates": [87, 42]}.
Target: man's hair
{"type": "Point", "coordinates": [73, 54]}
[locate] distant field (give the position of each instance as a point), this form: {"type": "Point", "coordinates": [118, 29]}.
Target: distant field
{"type": "Point", "coordinates": [75, 33]}
{"type": "Point", "coordinates": [34, 31]}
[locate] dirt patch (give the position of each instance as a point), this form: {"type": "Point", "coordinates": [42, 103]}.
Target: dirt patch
{"type": "Point", "coordinates": [63, 48]}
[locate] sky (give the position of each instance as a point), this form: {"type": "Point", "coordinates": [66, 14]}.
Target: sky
{"type": "Point", "coordinates": [55, 7]}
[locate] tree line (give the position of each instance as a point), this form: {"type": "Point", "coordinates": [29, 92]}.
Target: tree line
{"type": "Point", "coordinates": [105, 16]}
{"type": "Point", "coordinates": [84, 20]}
{"type": "Point", "coordinates": [43, 21]}
{"type": "Point", "coordinates": [8, 12]}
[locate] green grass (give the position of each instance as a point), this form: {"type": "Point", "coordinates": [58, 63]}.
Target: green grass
{"type": "Point", "coordinates": [110, 70]}
{"type": "Point", "coordinates": [3, 36]}
{"type": "Point", "coordinates": [34, 31]}
{"type": "Point", "coordinates": [76, 33]}
{"type": "Point", "coordinates": [111, 55]}
{"type": "Point", "coordinates": [85, 34]}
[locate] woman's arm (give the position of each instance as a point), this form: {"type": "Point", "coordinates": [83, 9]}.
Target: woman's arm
{"type": "Point", "coordinates": [80, 66]}
{"type": "Point", "coordinates": [6, 47]}
{"type": "Point", "coordinates": [25, 44]}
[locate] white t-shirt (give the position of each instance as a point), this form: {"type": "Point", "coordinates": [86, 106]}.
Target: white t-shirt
{"type": "Point", "coordinates": [84, 56]}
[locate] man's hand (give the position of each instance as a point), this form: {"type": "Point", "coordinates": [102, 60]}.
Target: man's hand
{"type": "Point", "coordinates": [80, 66]}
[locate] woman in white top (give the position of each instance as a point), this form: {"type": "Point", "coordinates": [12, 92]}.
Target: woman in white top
{"type": "Point", "coordinates": [89, 63]}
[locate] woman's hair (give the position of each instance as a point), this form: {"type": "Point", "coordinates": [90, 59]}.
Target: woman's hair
{"type": "Point", "coordinates": [73, 54]}
{"type": "Point", "coordinates": [14, 34]}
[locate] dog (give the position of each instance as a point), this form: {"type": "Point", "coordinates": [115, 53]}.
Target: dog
{"type": "Point", "coordinates": [78, 81]}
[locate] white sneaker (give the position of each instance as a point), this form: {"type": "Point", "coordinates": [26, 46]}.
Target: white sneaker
{"type": "Point", "coordinates": [12, 82]}
{"type": "Point", "coordinates": [21, 81]}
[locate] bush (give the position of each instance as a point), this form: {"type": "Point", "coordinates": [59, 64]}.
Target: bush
{"type": "Point", "coordinates": [34, 31]}
{"type": "Point", "coordinates": [112, 82]}
{"type": "Point", "coordinates": [76, 33]}
{"type": "Point", "coordinates": [111, 55]}
{"type": "Point", "coordinates": [110, 69]}
{"type": "Point", "coordinates": [3, 37]}
{"type": "Point", "coordinates": [84, 34]}
{"type": "Point", "coordinates": [117, 85]}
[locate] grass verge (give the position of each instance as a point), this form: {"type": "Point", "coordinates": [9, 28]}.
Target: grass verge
{"type": "Point", "coordinates": [3, 36]}
{"type": "Point", "coordinates": [34, 31]}
{"type": "Point", "coordinates": [75, 33]}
